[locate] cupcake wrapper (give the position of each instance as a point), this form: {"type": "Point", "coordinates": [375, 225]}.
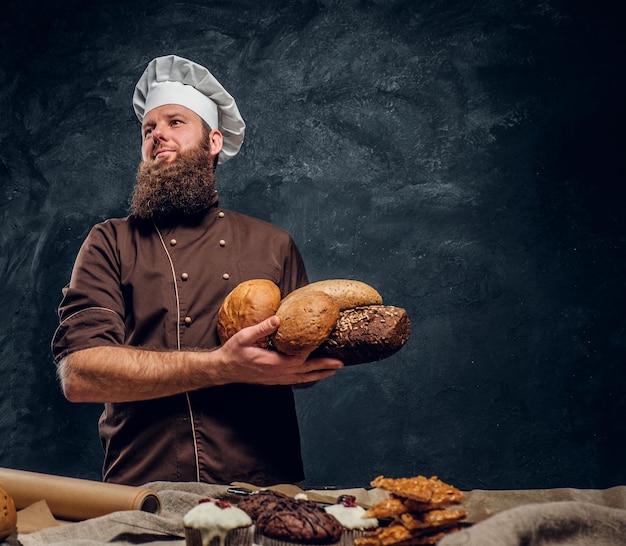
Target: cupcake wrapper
{"type": "Point", "coordinates": [347, 538]}
{"type": "Point", "coordinates": [266, 541]}
{"type": "Point", "coordinates": [236, 537]}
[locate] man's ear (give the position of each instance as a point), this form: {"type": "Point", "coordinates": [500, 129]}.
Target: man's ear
{"type": "Point", "coordinates": [216, 141]}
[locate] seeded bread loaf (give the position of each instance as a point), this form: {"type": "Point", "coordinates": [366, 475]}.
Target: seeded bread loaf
{"type": "Point", "coordinates": [367, 334]}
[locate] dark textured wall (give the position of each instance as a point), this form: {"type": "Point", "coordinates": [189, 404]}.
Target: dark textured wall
{"type": "Point", "coordinates": [465, 158]}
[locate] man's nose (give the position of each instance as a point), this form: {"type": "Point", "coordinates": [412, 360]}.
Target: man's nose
{"type": "Point", "coordinates": [158, 134]}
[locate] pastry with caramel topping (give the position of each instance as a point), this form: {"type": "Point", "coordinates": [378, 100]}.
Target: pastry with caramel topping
{"type": "Point", "coordinates": [419, 510]}
{"type": "Point", "coordinates": [398, 535]}
{"type": "Point", "coordinates": [432, 518]}
{"type": "Point", "coordinates": [394, 506]}
{"type": "Point", "coordinates": [430, 491]}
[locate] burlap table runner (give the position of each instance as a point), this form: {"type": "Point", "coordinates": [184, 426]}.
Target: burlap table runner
{"type": "Point", "coordinates": [549, 517]}
{"type": "Point", "coordinates": [566, 523]}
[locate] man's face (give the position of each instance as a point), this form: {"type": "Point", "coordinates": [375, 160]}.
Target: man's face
{"type": "Point", "coordinates": [169, 130]}
{"type": "Point", "coordinates": [180, 185]}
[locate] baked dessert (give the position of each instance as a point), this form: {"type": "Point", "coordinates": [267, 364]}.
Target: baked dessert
{"type": "Point", "coordinates": [263, 500]}
{"type": "Point", "coordinates": [429, 491]}
{"type": "Point", "coordinates": [351, 516]}
{"type": "Point", "coordinates": [419, 508]}
{"type": "Point", "coordinates": [397, 534]}
{"type": "Point", "coordinates": [281, 519]}
{"type": "Point", "coordinates": [215, 522]}
{"type": "Point", "coordinates": [300, 523]}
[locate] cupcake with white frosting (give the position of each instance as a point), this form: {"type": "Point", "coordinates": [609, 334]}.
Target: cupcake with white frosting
{"type": "Point", "coordinates": [215, 522]}
{"type": "Point", "coordinates": [352, 518]}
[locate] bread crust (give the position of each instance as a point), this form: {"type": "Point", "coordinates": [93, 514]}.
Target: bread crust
{"type": "Point", "coordinates": [306, 320]}
{"type": "Point", "coordinates": [8, 515]}
{"type": "Point", "coordinates": [249, 303]}
{"type": "Point", "coordinates": [367, 334]}
{"type": "Point", "coordinates": [336, 318]}
{"type": "Point", "coordinates": [346, 293]}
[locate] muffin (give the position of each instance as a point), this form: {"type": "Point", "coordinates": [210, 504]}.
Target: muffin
{"type": "Point", "coordinates": [217, 523]}
{"type": "Point", "coordinates": [299, 524]}
{"type": "Point", "coordinates": [352, 518]}
{"type": "Point", "coordinates": [283, 521]}
{"type": "Point", "coordinates": [263, 500]}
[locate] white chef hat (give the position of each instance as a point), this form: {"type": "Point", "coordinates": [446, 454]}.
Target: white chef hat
{"type": "Point", "coordinates": [175, 80]}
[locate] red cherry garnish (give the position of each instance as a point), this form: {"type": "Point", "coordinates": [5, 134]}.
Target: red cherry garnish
{"type": "Point", "coordinates": [349, 501]}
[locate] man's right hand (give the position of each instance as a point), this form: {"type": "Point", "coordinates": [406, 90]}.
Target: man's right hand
{"type": "Point", "coordinates": [125, 374]}
{"type": "Point", "coordinates": [248, 363]}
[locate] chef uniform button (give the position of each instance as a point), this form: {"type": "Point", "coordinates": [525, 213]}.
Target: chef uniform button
{"type": "Point", "coordinates": [222, 242]}
{"type": "Point", "coordinates": [173, 242]}
{"type": "Point", "coordinates": [225, 276]}
{"type": "Point", "coordinates": [221, 214]}
{"type": "Point", "coordinates": [188, 321]}
{"type": "Point", "coordinates": [184, 276]}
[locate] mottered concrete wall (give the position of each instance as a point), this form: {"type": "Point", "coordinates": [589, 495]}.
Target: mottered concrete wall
{"type": "Point", "coordinates": [465, 158]}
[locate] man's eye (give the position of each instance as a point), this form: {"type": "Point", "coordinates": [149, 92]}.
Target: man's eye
{"type": "Point", "coordinates": [176, 122]}
{"type": "Point", "coordinates": [147, 133]}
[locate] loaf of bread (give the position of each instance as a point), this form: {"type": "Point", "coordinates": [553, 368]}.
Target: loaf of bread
{"type": "Point", "coordinates": [8, 515]}
{"type": "Point", "coordinates": [306, 320]}
{"type": "Point", "coordinates": [249, 303]}
{"type": "Point", "coordinates": [367, 334]}
{"type": "Point", "coordinates": [339, 318]}
{"type": "Point", "coordinates": [346, 293]}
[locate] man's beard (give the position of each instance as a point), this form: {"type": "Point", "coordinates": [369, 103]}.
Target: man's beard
{"type": "Point", "coordinates": [183, 187]}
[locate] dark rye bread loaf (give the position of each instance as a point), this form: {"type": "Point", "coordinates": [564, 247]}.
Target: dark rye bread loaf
{"type": "Point", "coordinates": [367, 334]}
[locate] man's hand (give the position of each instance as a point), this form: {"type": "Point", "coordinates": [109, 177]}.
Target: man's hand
{"type": "Point", "coordinates": [125, 374]}
{"type": "Point", "coordinates": [245, 362]}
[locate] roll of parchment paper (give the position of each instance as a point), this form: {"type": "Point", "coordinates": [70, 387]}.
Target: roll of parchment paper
{"type": "Point", "coordinates": [74, 499]}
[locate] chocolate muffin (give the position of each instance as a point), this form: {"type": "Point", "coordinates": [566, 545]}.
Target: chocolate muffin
{"type": "Point", "coordinates": [304, 522]}
{"type": "Point", "coordinates": [257, 503]}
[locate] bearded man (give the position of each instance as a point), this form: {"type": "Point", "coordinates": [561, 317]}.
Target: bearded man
{"type": "Point", "coordinates": [138, 318]}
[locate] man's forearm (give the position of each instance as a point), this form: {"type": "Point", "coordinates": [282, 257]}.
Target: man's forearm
{"type": "Point", "coordinates": [124, 374]}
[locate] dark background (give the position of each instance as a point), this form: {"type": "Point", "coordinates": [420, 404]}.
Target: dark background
{"type": "Point", "coordinates": [464, 158]}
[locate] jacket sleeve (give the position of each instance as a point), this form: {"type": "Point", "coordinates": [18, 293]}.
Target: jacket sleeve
{"type": "Point", "coordinates": [92, 309]}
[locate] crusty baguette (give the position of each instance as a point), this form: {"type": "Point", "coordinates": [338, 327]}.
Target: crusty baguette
{"type": "Point", "coordinates": [367, 334]}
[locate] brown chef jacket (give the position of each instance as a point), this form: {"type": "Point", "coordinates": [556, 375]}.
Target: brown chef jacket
{"type": "Point", "coordinates": [160, 288]}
